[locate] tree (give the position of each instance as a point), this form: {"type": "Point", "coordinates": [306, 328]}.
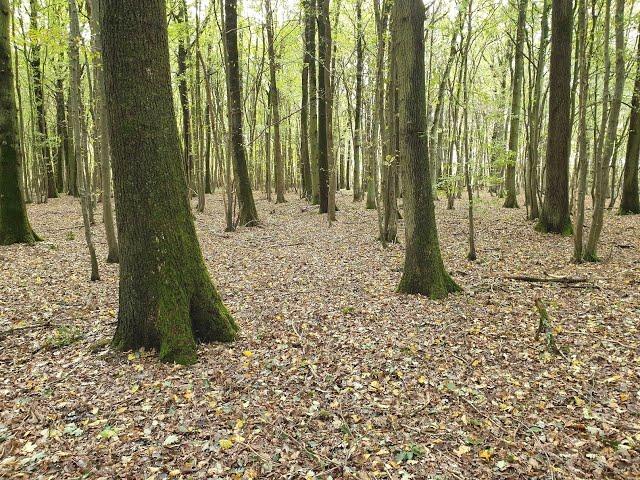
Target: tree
{"type": "Point", "coordinates": [248, 216]}
{"type": "Point", "coordinates": [307, 60]}
{"type": "Point", "coordinates": [324, 95]}
{"type": "Point", "coordinates": [310, 39]}
{"type": "Point", "coordinates": [608, 127]}
{"type": "Point", "coordinates": [357, 129]}
{"type": "Point", "coordinates": [102, 133]}
{"type": "Point", "coordinates": [39, 98]}
{"type": "Point", "coordinates": [167, 300]}
{"type": "Point", "coordinates": [583, 145]}
{"type": "Point", "coordinates": [535, 120]}
{"type": "Point", "coordinates": [424, 271]}
{"type": "Point", "coordinates": [630, 201]}
{"type": "Point", "coordinates": [275, 108]}
{"type": "Point", "coordinates": [555, 209]}
{"type": "Point", "coordinates": [79, 131]}
{"type": "Point", "coordinates": [14, 223]}
{"type": "Point", "coordinates": [516, 103]}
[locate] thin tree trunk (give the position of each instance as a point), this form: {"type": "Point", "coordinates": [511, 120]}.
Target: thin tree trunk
{"type": "Point", "coordinates": [511, 200]}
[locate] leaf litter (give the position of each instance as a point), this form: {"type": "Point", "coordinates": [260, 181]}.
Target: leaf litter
{"type": "Point", "coordinates": [333, 375]}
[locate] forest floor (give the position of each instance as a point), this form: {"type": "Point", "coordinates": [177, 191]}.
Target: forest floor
{"type": "Point", "coordinates": [334, 375]}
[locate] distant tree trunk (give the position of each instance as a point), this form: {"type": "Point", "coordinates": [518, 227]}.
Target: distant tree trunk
{"type": "Point", "coordinates": [357, 138]}
{"type": "Point", "coordinates": [471, 255]}
{"type": "Point", "coordinates": [583, 144]}
{"type": "Point", "coordinates": [248, 215]}
{"type": "Point", "coordinates": [167, 300]}
{"type": "Point", "coordinates": [630, 202]}
{"type": "Point", "coordinates": [78, 128]}
{"type": "Point", "coordinates": [275, 108]}
{"type": "Point", "coordinates": [324, 65]}
{"type": "Point", "coordinates": [183, 94]}
{"type": "Point", "coordinates": [103, 134]}
{"type": "Point", "coordinates": [304, 110]}
{"type": "Point", "coordinates": [311, 20]}
{"type": "Point", "coordinates": [389, 231]}
{"type": "Point", "coordinates": [38, 91]}
{"type": "Point", "coordinates": [607, 148]}
{"type": "Point", "coordinates": [516, 103]}
{"type": "Point", "coordinates": [61, 132]}
{"type": "Point", "coordinates": [14, 223]}
{"type": "Point", "coordinates": [555, 216]}
{"type": "Point", "coordinates": [424, 271]}
{"type": "Point", "coordinates": [536, 117]}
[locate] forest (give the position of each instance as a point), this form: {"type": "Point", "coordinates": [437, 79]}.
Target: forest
{"type": "Point", "coordinates": [319, 239]}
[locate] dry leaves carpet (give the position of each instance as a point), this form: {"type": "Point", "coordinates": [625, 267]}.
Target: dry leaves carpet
{"type": "Point", "coordinates": [334, 375]}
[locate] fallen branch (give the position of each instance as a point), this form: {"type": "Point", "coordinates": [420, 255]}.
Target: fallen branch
{"type": "Point", "coordinates": [566, 280]}
{"type": "Point", "coordinates": [11, 331]}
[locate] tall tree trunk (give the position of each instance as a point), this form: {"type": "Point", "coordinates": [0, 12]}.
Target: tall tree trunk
{"type": "Point", "coordinates": [38, 91]}
{"type": "Point", "coordinates": [14, 223]}
{"type": "Point", "coordinates": [248, 215]}
{"type": "Point", "coordinates": [536, 117]}
{"type": "Point", "coordinates": [183, 94]}
{"type": "Point", "coordinates": [424, 271]}
{"type": "Point", "coordinates": [516, 103]}
{"type": "Point", "coordinates": [555, 216]}
{"type": "Point", "coordinates": [61, 132]}
{"type": "Point", "coordinates": [324, 66]}
{"type": "Point", "coordinates": [630, 201]}
{"type": "Point", "coordinates": [79, 129]}
{"type": "Point", "coordinates": [167, 300]}
{"type": "Point", "coordinates": [275, 108]}
{"type": "Point", "coordinates": [103, 134]}
{"type": "Point", "coordinates": [583, 144]}
{"type": "Point", "coordinates": [304, 110]}
{"type": "Point", "coordinates": [602, 167]}
{"type": "Point", "coordinates": [357, 138]}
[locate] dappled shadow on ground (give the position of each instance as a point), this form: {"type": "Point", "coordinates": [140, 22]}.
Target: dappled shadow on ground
{"type": "Point", "coordinates": [333, 374]}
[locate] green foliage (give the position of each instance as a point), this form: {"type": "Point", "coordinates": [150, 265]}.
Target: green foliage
{"type": "Point", "coordinates": [63, 337]}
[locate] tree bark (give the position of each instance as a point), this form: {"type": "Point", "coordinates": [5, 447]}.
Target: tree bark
{"type": "Point", "coordinates": [14, 223]}
{"type": "Point", "coordinates": [555, 215]}
{"type": "Point", "coordinates": [424, 271]}
{"type": "Point", "coordinates": [167, 300]}
{"type": "Point", "coordinates": [324, 66]}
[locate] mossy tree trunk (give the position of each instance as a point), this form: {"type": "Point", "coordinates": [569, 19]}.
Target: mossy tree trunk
{"type": "Point", "coordinates": [630, 201]}
{"type": "Point", "coordinates": [248, 215]}
{"type": "Point", "coordinates": [516, 103]}
{"type": "Point", "coordinates": [424, 271]}
{"type": "Point", "coordinates": [167, 300]}
{"type": "Point", "coordinates": [14, 223]}
{"type": "Point", "coordinates": [555, 217]}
